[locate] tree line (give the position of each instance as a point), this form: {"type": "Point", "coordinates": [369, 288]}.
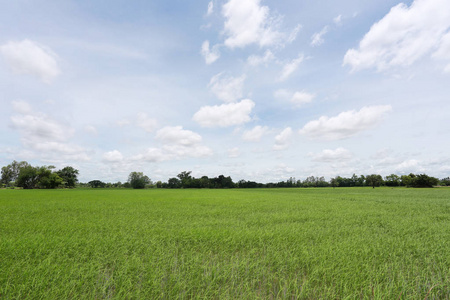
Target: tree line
{"type": "Point", "coordinates": [22, 174]}
{"type": "Point", "coordinates": [184, 180]}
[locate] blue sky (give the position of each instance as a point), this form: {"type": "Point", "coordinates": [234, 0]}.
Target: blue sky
{"type": "Point", "coordinates": [257, 90]}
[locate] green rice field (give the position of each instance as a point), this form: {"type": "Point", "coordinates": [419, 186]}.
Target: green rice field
{"type": "Point", "coordinates": [325, 243]}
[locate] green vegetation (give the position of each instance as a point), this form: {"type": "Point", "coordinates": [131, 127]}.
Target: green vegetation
{"type": "Point", "coordinates": [352, 243]}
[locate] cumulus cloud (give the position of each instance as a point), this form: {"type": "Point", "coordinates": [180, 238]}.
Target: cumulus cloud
{"type": "Point", "coordinates": [146, 123]}
{"type": "Point", "coordinates": [255, 60]}
{"type": "Point", "coordinates": [45, 136]}
{"type": "Point", "coordinates": [291, 67]}
{"type": "Point", "coordinates": [255, 134]}
{"type": "Point", "coordinates": [317, 38]}
{"type": "Point", "coordinates": [297, 98]}
{"type": "Point", "coordinates": [328, 155]}
{"type": "Point", "coordinates": [30, 58]}
{"type": "Point", "coordinates": [408, 166]}
{"type": "Point", "coordinates": [346, 124]}
{"type": "Point", "coordinates": [403, 36]}
{"type": "Point", "coordinates": [225, 115]}
{"type": "Point", "coordinates": [178, 143]}
{"type": "Point", "coordinates": [227, 88]}
{"type": "Point", "coordinates": [176, 135]}
{"type": "Point", "coordinates": [300, 98]}
{"type": "Point", "coordinates": [113, 156]}
{"type": "Point", "coordinates": [283, 139]}
{"type": "Point", "coordinates": [247, 22]}
{"type": "Point", "coordinates": [210, 55]}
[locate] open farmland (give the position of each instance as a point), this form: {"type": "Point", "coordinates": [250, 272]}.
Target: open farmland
{"type": "Point", "coordinates": [255, 243]}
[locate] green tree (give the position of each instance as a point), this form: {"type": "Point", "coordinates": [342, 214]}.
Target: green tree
{"type": "Point", "coordinates": [185, 178]}
{"type": "Point", "coordinates": [138, 180]}
{"type": "Point", "coordinates": [392, 180]}
{"type": "Point", "coordinates": [69, 175]}
{"type": "Point", "coordinates": [173, 183]}
{"type": "Point", "coordinates": [28, 177]}
{"type": "Point", "coordinates": [374, 180]}
{"type": "Point", "coordinates": [423, 180]}
{"type": "Point", "coordinates": [96, 184]}
{"type": "Point", "coordinates": [10, 173]}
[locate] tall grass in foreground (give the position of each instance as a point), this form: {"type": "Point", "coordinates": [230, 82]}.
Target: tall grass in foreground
{"type": "Point", "coordinates": [345, 243]}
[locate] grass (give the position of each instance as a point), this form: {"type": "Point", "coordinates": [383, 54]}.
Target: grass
{"type": "Point", "coordinates": [344, 243]}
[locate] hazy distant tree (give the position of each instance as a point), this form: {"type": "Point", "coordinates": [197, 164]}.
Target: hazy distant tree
{"type": "Point", "coordinates": [334, 183]}
{"type": "Point", "coordinates": [138, 180]}
{"type": "Point", "coordinates": [374, 180]}
{"type": "Point", "coordinates": [445, 181]}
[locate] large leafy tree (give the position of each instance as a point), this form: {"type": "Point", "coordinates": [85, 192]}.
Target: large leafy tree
{"type": "Point", "coordinates": [374, 180]}
{"type": "Point", "coordinates": [10, 173]}
{"type": "Point", "coordinates": [138, 180]}
{"type": "Point", "coordinates": [47, 179]}
{"type": "Point", "coordinates": [96, 184]}
{"type": "Point", "coordinates": [28, 177]}
{"type": "Point", "coordinates": [69, 176]}
{"type": "Point", "coordinates": [423, 180]}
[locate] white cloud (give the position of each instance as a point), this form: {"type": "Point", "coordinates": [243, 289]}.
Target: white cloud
{"type": "Point", "coordinates": [40, 127]}
{"type": "Point", "coordinates": [282, 170]}
{"type": "Point", "coordinates": [46, 137]}
{"type": "Point", "coordinates": [225, 115]}
{"type": "Point", "coordinates": [403, 36]}
{"type": "Point", "coordinates": [27, 57]}
{"type": "Point", "coordinates": [247, 22]}
{"type": "Point", "coordinates": [293, 34]}
{"type": "Point", "coordinates": [408, 166]}
{"type": "Point", "coordinates": [113, 156]}
{"type": "Point", "coordinates": [177, 135]}
{"type": "Point", "coordinates": [346, 124]}
{"type": "Point", "coordinates": [328, 155]}
{"type": "Point", "coordinates": [255, 134]}
{"type": "Point", "coordinates": [146, 123]}
{"type": "Point", "coordinates": [178, 143]}
{"type": "Point", "coordinates": [338, 20]}
{"type": "Point", "coordinates": [291, 67]}
{"type": "Point", "coordinates": [234, 152]}
{"type": "Point", "coordinates": [22, 107]}
{"type": "Point", "coordinates": [210, 8]}
{"type": "Point", "coordinates": [283, 139]}
{"type": "Point", "coordinates": [443, 51]}
{"type": "Point", "coordinates": [297, 98]}
{"type": "Point", "coordinates": [227, 88]}
{"type": "Point", "coordinates": [212, 55]}
{"type": "Point", "coordinates": [300, 98]}
{"type": "Point", "coordinates": [317, 38]}
{"type": "Point", "coordinates": [255, 60]}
